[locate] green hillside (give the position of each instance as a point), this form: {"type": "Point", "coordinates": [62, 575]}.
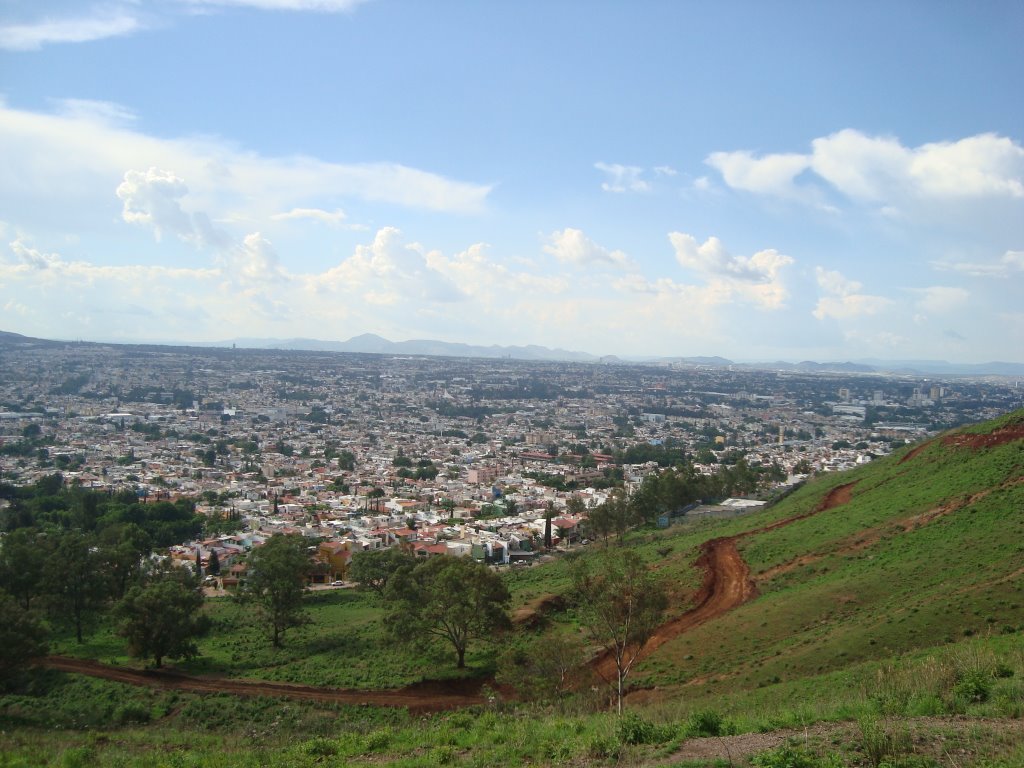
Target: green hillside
{"type": "Point", "coordinates": [928, 549]}
{"type": "Point", "coordinates": [881, 619]}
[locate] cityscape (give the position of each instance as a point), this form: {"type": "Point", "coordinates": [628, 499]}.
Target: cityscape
{"type": "Point", "coordinates": [441, 455]}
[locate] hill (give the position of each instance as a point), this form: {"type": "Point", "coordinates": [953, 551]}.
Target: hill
{"type": "Point", "coordinates": [869, 618]}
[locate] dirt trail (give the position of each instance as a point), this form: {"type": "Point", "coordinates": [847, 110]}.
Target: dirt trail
{"type": "Point", "coordinates": [726, 585]}
{"type": "Point", "coordinates": [423, 697]}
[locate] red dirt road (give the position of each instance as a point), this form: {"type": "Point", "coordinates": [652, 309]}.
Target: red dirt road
{"type": "Point", "coordinates": [424, 697]}
{"type": "Point", "coordinates": [727, 583]}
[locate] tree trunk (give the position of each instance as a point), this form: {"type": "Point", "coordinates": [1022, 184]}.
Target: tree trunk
{"type": "Point", "coordinates": [619, 691]}
{"type": "Point", "coordinates": [462, 657]}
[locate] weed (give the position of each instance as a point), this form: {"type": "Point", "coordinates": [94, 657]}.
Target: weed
{"type": "Point", "coordinates": [705, 723]}
{"type": "Point", "coordinates": [634, 729]}
{"type": "Point", "coordinates": [882, 742]}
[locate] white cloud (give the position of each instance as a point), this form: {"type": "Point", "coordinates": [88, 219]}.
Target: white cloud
{"type": "Point", "coordinates": [331, 218]}
{"type": "Point", "coordinates": [844, 300]}
{"type": "Point", "coordinates": [882, 170]}
{"type": "Point", "coordinates": [772, 174]}
{"type": "Point", "coordinates": [665, 170]}
{"type": "Point", "coordinates": [1008, 264]}
{"type": "Point", "coordinates": [80, 29]}
{"type": "Point", "coordinates": [74, 157]}
{"type": "Point", "coordinates": [33, 258]}
{"type": "Point", "coordinates": [571, 246]}
{"type": "Point", "coordinates": [940, 299]}
{"type": "Point", "coordinates": [757, 278]}
{"type": "Point", "coordinates": [622, 178]}
{"type": "Point", "coordinates": [389, 271]}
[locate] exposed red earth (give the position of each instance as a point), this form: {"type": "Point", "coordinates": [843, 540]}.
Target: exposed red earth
{"type": "Point", "coordinates": [433, 696]}
{"type": "Point", "coordinates": [726, 585]}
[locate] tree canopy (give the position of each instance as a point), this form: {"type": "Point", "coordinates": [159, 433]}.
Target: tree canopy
{"type": "Point", "coordinates": [276, 582]}
{"type": "Point", "coordinates": [452, 598]}
{"type": "Point", "coordinates": [373, 570]}
{"type": "Point", "coordinates": [161, 618]}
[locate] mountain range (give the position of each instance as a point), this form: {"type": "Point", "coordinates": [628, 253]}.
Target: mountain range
{"type": "Point", "coordinates": [369, 343]}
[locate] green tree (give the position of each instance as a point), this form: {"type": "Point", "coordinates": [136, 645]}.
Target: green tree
{"type": "Point", "coordinates": [373, 570]}
{"type": "Point", "coordinates": [621, 604]}
{"type": "Point", "coordinates": [77, 583]}
{"type": "Point", "coordinates": [22, 637]}
{"type": "Point", "coordinates": [549, 512]}
{"type": "Point", "coordinates": [276, 582]}
{"type": "Point", "coordinates": [162, 618]}
{"type": "Point", "coordinates": [122, 549]}
{"type": "Point", "coordinates": [213, 564]}
{"type": "Point", "coordinates": [23, 556]}
{"type": "Point", "coordinates": [454, 599]}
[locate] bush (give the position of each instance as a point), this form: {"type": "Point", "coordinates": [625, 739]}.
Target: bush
{"type": "Point", "coordinates": [704, 723]}
{"type": "Point", "coordinates": [604, 747]}
{"type": "Point", "coordinates": [131, 713]}
{"type": "Point", "coordinates": [633, 729]}
{"type": "Point", "coordinates": [788, 756]}
{"type": "Point", "coordinates": [973, 687]}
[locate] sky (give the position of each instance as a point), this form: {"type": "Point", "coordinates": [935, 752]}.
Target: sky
{"type": "Point", "coordinates": [787, 180]}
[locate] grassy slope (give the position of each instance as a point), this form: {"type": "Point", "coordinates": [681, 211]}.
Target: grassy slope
{"type": "Point", "coordinates": [872, 581]}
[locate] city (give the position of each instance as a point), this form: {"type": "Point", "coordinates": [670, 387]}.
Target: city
{"type": "Point", "coordinates": [453, 456]}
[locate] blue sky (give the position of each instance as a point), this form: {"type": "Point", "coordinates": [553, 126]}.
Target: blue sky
{"type": "Point", "coordinates": [790, 180]}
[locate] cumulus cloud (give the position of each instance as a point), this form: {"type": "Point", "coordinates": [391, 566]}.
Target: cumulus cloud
{"type": "Point", "coordinates": [882, 170]}
{"type": "Point", "coordinates": [756, 278]}
{"type": "Point", "coordinates": [34, 35]}
{"type": "Point", "coordinates": [622, 178]}
{"type": "Point", "coordinates": [711, 258]}
{"type": "Point", "coordinates": [571, 246]}
{"type": "Point", "coordinates": [1010, 263]}
{"type": "Point", "coordinates": [771, 174]}
{"type": "Point", "coordinates": [389, 271]}
{"type": "Point", "coordinates": [843, 299]}
{"type": "Point", "coordinates": [33, 258]}
{"type": "Point", "coordinates": [256, 261]}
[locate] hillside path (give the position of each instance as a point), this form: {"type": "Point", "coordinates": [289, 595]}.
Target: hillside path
{"type": "Point", "coordinates": [419, 698]}
{"type": "Point", "coordinates": [727, 583]}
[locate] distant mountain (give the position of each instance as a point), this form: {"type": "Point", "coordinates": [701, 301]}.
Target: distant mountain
{"type": "Point", "coordinates": [369, 343]}
{"type": "Point", "coordinates": [942, 367]}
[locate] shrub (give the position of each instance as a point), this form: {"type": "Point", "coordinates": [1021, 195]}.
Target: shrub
{"type": "Point", "coordinates": [633, 729]}
{"type": "Point", "coordinates": [704, 723]}
{"type": "Point", "coordinates": [604, 747]}
{"type": "Point", "coordinates": [973, 687]}
{"type": "Point", "coordinates": [788, 756]}
{"type": "Point", "coordinates": [881, 743]}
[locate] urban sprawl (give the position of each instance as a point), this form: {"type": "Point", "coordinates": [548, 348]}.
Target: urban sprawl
{"type": "Point", "coordinates": [437, 455]}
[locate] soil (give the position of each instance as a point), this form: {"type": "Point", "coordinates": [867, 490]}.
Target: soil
{"type": "Point", "coordinates": [1001, 436]}
{"type": "Point", "coordinates": [428, 696]}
